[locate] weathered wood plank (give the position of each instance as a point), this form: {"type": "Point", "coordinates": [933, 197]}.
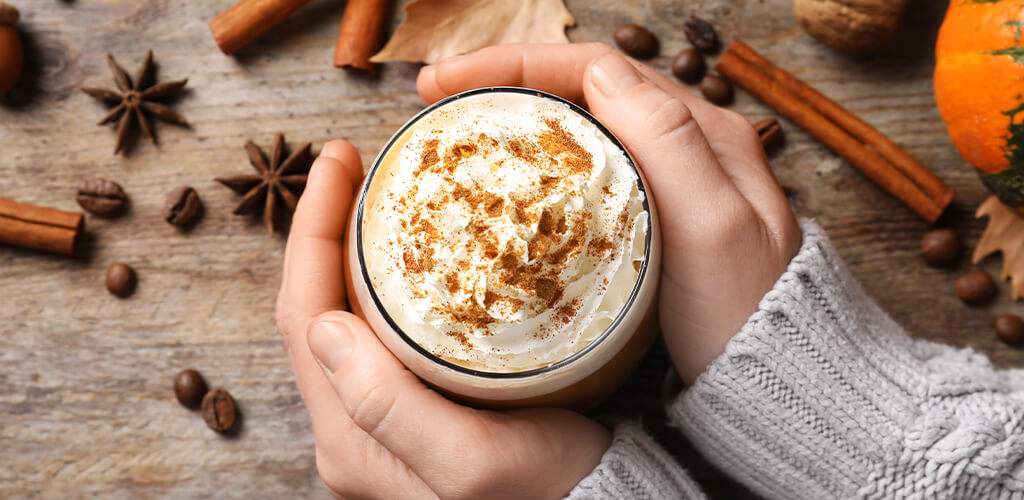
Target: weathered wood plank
{"type": "Point", "coordinates": [86, 406]}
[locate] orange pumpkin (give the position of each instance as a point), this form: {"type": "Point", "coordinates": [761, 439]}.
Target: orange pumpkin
{"type": "Point", "coordinates": [979, 87]}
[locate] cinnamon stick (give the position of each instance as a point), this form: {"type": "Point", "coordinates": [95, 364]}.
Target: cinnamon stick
{"type": "Point", "coordinates": [247, 20]}
{"type": "Point", "coordinates": [360, 33]}
{"type": "Point", "coordinates": [39, 228]}
{"type": "Point", "coordinates": [874, 155]}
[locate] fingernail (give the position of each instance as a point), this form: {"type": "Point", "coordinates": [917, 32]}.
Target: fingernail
{"type": "Point", "coordinates": [330, 343]}
{"type": "Point", "coordinates": [612, 75]}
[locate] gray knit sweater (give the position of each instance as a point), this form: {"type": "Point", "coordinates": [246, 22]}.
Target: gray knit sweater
{"type": "Point", "coordinates": [822, 395]}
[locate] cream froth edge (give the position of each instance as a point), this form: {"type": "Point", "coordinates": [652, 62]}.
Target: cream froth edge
{"type": "Point", "coordinates": [597, 284]}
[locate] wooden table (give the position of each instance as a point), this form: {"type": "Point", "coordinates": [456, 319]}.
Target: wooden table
{"type": "Point", "coordinates": [86, 406]}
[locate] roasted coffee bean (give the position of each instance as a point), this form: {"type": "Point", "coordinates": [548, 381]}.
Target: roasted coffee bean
{"type": "Point", "coordinates": [701, 34]}
{"type": "Point", "coordinates": [219, 411]}
{"type": "Point", "coordinates": [770, 132]}
{"type": "Point", "coordinates": [120, 279]}
{"type": "Point", "coordinates": [689, 66]}
{"type": "Point", "coordinates": [636, 41]}
{"type": "Point", "coordinates": [189, 388]}
{"type": "Point", "coordinates": [182, 207]}
{"type": "Point", "coordinates": [716, 89]}
{"type": "Point", "coordinates": [101, 197]}
{"type": "Point", "coordinates": [940, 247]}
{"type": "Point", "coordinates": [975, 287]}
{"type": "Point", "coordinates": [1009, 328]}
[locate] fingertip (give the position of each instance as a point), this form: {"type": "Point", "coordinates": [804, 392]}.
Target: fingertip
{"type": "Point", "coordinates": [344, 153]}
{"type": "Point", "coordinates": [428, 81]}
{"type": "Point", "coordinates": [426, 84]}
{"type": "Point", "coordinates": [337, 149]}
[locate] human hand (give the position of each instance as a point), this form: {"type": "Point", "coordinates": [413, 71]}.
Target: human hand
{"type": "Point", "coordinates": [380, 433]}
{"type": "Point", "coordinates": [728, 232]}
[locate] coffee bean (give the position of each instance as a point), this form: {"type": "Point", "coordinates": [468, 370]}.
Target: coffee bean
{"type": "Point", "coordinates": [101, 197]}
{"type": "Point", "coordinates": [120, 279]}
{"type": "Point", "coordinates": [189, 388]}
{"type": "Point", "coordinates": [701, 34]}
{"type": "Point", "coordinates": [716, 89]}
{"type": "Point", "coordinates": [940, 247]}
{"type": "Point", "coordinates": [975, 287]}
{"type": "Point", "coordinates": [689, 66]}
{"type": "Point", "coordinates": [219, 411]}
{"type": "Point", "coordinates": [636, 41]}
{"type": "Point", "coordinates": [770, 132]}
{"type": "Point", "coordinates": [182, 207]}
{"type": "Point", "coordinates": [1009, 328]}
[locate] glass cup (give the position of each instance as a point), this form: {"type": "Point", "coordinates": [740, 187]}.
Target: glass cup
{"type": "Point", "coordinates": [578, 381]}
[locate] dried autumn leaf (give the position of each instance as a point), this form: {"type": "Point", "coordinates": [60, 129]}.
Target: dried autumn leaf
{"type": "Point", "coordinates": [436, 29]}
{"type": "Point", "coordinates": [1004, 233]}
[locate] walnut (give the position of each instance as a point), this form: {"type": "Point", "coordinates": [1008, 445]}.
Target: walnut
{"type": "Point", "coordinates": [852, 26]}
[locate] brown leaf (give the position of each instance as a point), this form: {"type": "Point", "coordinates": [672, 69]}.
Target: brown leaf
{"type": "Point", "coordinates": [1004, 233]}
{"type": "Point", "coordinates": [435, 29]}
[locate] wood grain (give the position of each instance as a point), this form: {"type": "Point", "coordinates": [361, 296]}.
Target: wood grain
{"type": "Point", "coordinates": [86, 407]}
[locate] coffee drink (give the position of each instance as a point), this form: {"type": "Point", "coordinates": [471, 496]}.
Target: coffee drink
{"type": "Point", "coordinates": [504, 234]}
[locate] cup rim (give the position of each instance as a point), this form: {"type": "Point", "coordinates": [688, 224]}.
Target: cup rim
{"type": "Point", "coordinates": [637, 286]}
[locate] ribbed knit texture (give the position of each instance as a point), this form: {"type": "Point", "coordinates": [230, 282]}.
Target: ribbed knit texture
{"type": "Point", "coordinates": [635, 467]}
{"type": "Point", "coordinates": [822, 395]}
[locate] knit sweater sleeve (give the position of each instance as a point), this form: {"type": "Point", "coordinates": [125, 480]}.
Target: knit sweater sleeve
{"type": "Point", "coordinates": [636, 467]}
{"type": "Point", "coordinates": [822, 395]}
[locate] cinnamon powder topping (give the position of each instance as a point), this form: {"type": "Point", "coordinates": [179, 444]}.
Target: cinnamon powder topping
{"type": "Point", "coordinates": [500, 276]}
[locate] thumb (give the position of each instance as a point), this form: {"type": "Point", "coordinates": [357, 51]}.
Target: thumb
{"type": "Point", "coordinates": [662, 135]}
{"type": "Point", "coordinates": [417, 425]}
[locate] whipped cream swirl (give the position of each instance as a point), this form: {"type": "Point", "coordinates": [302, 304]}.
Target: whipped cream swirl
{"type": "Point", "coordinates": [506, 234]}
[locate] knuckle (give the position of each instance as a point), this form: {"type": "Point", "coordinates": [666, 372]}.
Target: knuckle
{"type": "Point", "coordinates": [669, 117]}
{"type": "Point", "coordinates": [283, 322]}
{"type": "Point", "coordinates": [373, 408]}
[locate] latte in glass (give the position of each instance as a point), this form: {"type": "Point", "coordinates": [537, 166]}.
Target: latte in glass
{"type": "Point", "coordinates": [503, 246]}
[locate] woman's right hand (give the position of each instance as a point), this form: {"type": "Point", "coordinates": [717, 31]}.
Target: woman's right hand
{"type": "Point", "coordinates": [728, 232]}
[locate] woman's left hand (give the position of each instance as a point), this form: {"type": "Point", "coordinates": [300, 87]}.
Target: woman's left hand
{"type": "Point", "coordinates": [381, 433]}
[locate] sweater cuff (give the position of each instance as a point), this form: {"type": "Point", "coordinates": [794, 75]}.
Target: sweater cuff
{"type": "Point", "coordinates": [636, 467]}
{"type": "Point", "coordinates": [817, 389]}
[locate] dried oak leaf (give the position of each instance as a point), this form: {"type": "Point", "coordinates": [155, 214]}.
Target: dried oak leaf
{"type": "Point", "coordinates": [436, 29]}
{"type": "Point", "coordinates": [1004, 233]}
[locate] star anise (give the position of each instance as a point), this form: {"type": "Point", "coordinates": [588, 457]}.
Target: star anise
{"type": "Point", "coordinates": [278, 181]}
{"type": "Point", "coordinates": [136, 99]}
